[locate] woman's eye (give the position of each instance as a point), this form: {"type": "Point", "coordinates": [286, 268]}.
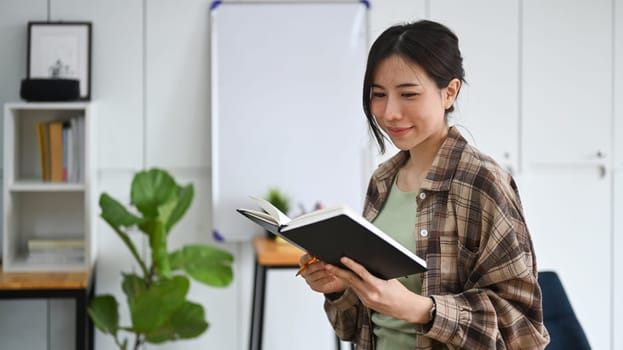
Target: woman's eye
{"type": "Point", "coordinates": [409, 94]}
{"type": "Point", "coordinates": [378, 94]}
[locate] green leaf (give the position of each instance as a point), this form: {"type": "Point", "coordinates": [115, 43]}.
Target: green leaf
{"type": "Point", "coordinates": [104, 312]}
{"type": "Point", "coordinates": [173, 213]}
{"type": "Point", "coordinates": [188, 321]}
{"type": "Point", "coordinates": [133, 286]}
{"type": "Point", "coordinates": [205, 264]}
{"type": "Point", "coordinates": [151, 308]}
{"type": "Point", "coordinates": [151, 189]}
{"type": "Point", "coordinates": [116, 214]}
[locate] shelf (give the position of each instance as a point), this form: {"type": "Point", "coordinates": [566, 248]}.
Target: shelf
{"type": "Point", "coordinates": [39, 186]}
{"type": "Point", "coordinates": [47, 105]}
{"type": "Point", "coordinates": [43, 209]}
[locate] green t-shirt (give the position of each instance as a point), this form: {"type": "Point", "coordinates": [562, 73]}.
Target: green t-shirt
{"type": "Point", "coordinates": [397, 219]}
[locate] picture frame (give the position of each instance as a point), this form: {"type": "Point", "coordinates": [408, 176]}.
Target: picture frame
{"type": "Point", "coordinates": [61, 50]}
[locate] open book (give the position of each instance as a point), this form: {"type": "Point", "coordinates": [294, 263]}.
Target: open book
{"type": "Point", "coordinates": [331, 233]}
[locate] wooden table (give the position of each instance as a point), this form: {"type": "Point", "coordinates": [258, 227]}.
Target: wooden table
{"type": "Point", "coordinates": [44, 285]}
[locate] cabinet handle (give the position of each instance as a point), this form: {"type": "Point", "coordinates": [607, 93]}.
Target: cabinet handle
{"type": "Point", "coordinates": [602, 170]}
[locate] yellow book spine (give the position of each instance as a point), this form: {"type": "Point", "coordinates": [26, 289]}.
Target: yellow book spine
{"type": "Point", "coordinates": [56, 151]}
{"type": "Point", "coordinates": [42, 151]}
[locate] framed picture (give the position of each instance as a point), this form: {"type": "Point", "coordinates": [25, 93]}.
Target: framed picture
{"type": "Point", "coordinates": [61, 50]}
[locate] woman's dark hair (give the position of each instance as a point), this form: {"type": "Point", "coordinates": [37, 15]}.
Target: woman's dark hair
{"type": "Point", "coordinates": [431, 45]}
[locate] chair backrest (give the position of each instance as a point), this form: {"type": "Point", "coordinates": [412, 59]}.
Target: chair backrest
{"type": "Point", "coordinates": [563, 326]}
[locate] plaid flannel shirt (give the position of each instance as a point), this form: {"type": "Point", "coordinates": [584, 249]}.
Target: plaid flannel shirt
{"type": "Point", "coordinates": [482, 270]}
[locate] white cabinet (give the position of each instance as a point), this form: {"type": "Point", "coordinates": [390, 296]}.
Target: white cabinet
{"type": "Point", "coordinates": [568, 217]}
{"type": "Point", "coordinates": [487, 109]}
{"type": "Point", "coordinates": [41, 210]}
{"type": "Point", "coordinates": [567, 76]}
{"type": "Point", "coordinates": [567, 150]}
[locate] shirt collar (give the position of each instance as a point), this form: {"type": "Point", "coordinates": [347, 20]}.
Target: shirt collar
{"type": "Point", "coordinates": [442, 170]}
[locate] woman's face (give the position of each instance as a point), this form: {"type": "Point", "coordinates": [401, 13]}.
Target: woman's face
{"type": "Point", "coordinates": [407, 104]}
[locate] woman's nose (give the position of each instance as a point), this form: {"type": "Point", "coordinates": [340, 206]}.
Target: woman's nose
{"type": "Point", "coordinates": [392, 109]}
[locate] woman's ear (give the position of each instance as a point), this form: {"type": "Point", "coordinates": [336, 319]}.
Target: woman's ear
{"type": "Point", "coordinates": [450, 92]}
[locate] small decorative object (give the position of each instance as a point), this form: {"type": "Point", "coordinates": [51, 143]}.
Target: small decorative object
{"type": "Point", "coordinates": [61, 50]}
{"type": "Point", "coordinates": [280, 200]}
{"type": "Point", "coordinates": [156, 295]}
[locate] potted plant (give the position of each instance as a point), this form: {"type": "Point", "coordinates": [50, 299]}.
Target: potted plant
{"type": "Point", "coordinates": [156, 296]}
{"type": "Point", "coordinates": [280, 200]}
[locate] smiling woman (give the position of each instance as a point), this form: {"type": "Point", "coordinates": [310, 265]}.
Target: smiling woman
{"type": "Point", "coordinates": [444, 200]}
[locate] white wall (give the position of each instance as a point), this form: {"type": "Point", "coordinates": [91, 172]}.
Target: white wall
{"type": "Point", "coordinates": [150, 83]}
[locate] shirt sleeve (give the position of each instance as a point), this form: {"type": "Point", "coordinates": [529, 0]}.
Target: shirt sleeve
{"type": "Point", "coordinates": [349, 318]}
{"type": "Point", "coordinates": [500, 306]}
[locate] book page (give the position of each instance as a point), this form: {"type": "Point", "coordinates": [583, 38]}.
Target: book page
{"type": "Point", "coordinates": [261, 215]}
{"type": "Point", "coordinates": [282, 219]}
{"type": "Point", "coordinates": [316, 215]}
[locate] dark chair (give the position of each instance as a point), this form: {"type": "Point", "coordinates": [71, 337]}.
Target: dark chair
{"type": "Point", "coordinates": [560, 320]}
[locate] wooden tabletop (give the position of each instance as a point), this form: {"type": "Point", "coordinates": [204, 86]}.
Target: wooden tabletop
{"type": "Point", "coordinates": [272, 252]}
{"type": "Point", "coordinates": [43, 280]}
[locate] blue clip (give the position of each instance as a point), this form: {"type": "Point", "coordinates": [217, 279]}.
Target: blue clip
{"type": "Point", "coordinates": [215, 4]}
{"type": "Point", "coordinates": [217, 236]}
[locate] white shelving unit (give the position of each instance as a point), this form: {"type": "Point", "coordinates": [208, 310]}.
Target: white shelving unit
{"type": "Point", "coordinates": [45, 210]}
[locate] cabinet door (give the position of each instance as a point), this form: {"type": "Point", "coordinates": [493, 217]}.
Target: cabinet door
{"type": "Point", "coordinates": [568, 216]}
{"type": "Point", "coordinates": [23, 324]}
{"type": "Point", "coordinates": [567, 76]}
{"type": "Point", "coordinates": [487, 109]}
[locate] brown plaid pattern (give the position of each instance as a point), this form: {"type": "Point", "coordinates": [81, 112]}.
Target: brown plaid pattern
{"type": "Point", "coordinates": [482, 270]}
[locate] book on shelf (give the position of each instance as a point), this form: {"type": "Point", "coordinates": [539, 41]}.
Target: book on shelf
{"type": "Point", "coordinates": [61, 149]}
{"type": "Point", "coordinates": [334, 232]}
{"type": "Point", "coordinates": [54, 243]}
{"type": "Point", "coordinates": [44, 150]}
{"type": "Point", "coordinates": [55, 257]}
{"type": "Point", "coordinates": [55, 250]}
{"type": "Point", "coordinates": [56, 150]}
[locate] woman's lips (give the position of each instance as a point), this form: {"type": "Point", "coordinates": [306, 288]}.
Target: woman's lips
{"type": "Point", "coordinates": [398, 131]}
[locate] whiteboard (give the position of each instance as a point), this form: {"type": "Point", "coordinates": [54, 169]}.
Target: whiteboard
{"type": "Point", "coordinates": [286, 82]}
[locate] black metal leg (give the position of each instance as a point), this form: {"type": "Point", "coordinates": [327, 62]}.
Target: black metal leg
{"type": "Point", "coordinates": [257, 316]}
{"type": "Point", "coordinates": [90, 325]}
{"type": "Point", "coordinates": [81, 319]}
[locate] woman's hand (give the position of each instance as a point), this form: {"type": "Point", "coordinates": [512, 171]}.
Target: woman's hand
{"type": "Point", "coordinates": [318, 278]}
{"type": "Point", "coordinates": [390, 297]}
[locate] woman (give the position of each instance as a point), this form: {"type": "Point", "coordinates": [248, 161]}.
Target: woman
{"type": "Point", "coordinates": [446, 201]}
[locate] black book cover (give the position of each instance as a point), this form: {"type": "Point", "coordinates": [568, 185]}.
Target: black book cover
{"type": "Point", "coordinates": [340, 235]}
{"type": "Point", "coordinates": [332, 234]}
